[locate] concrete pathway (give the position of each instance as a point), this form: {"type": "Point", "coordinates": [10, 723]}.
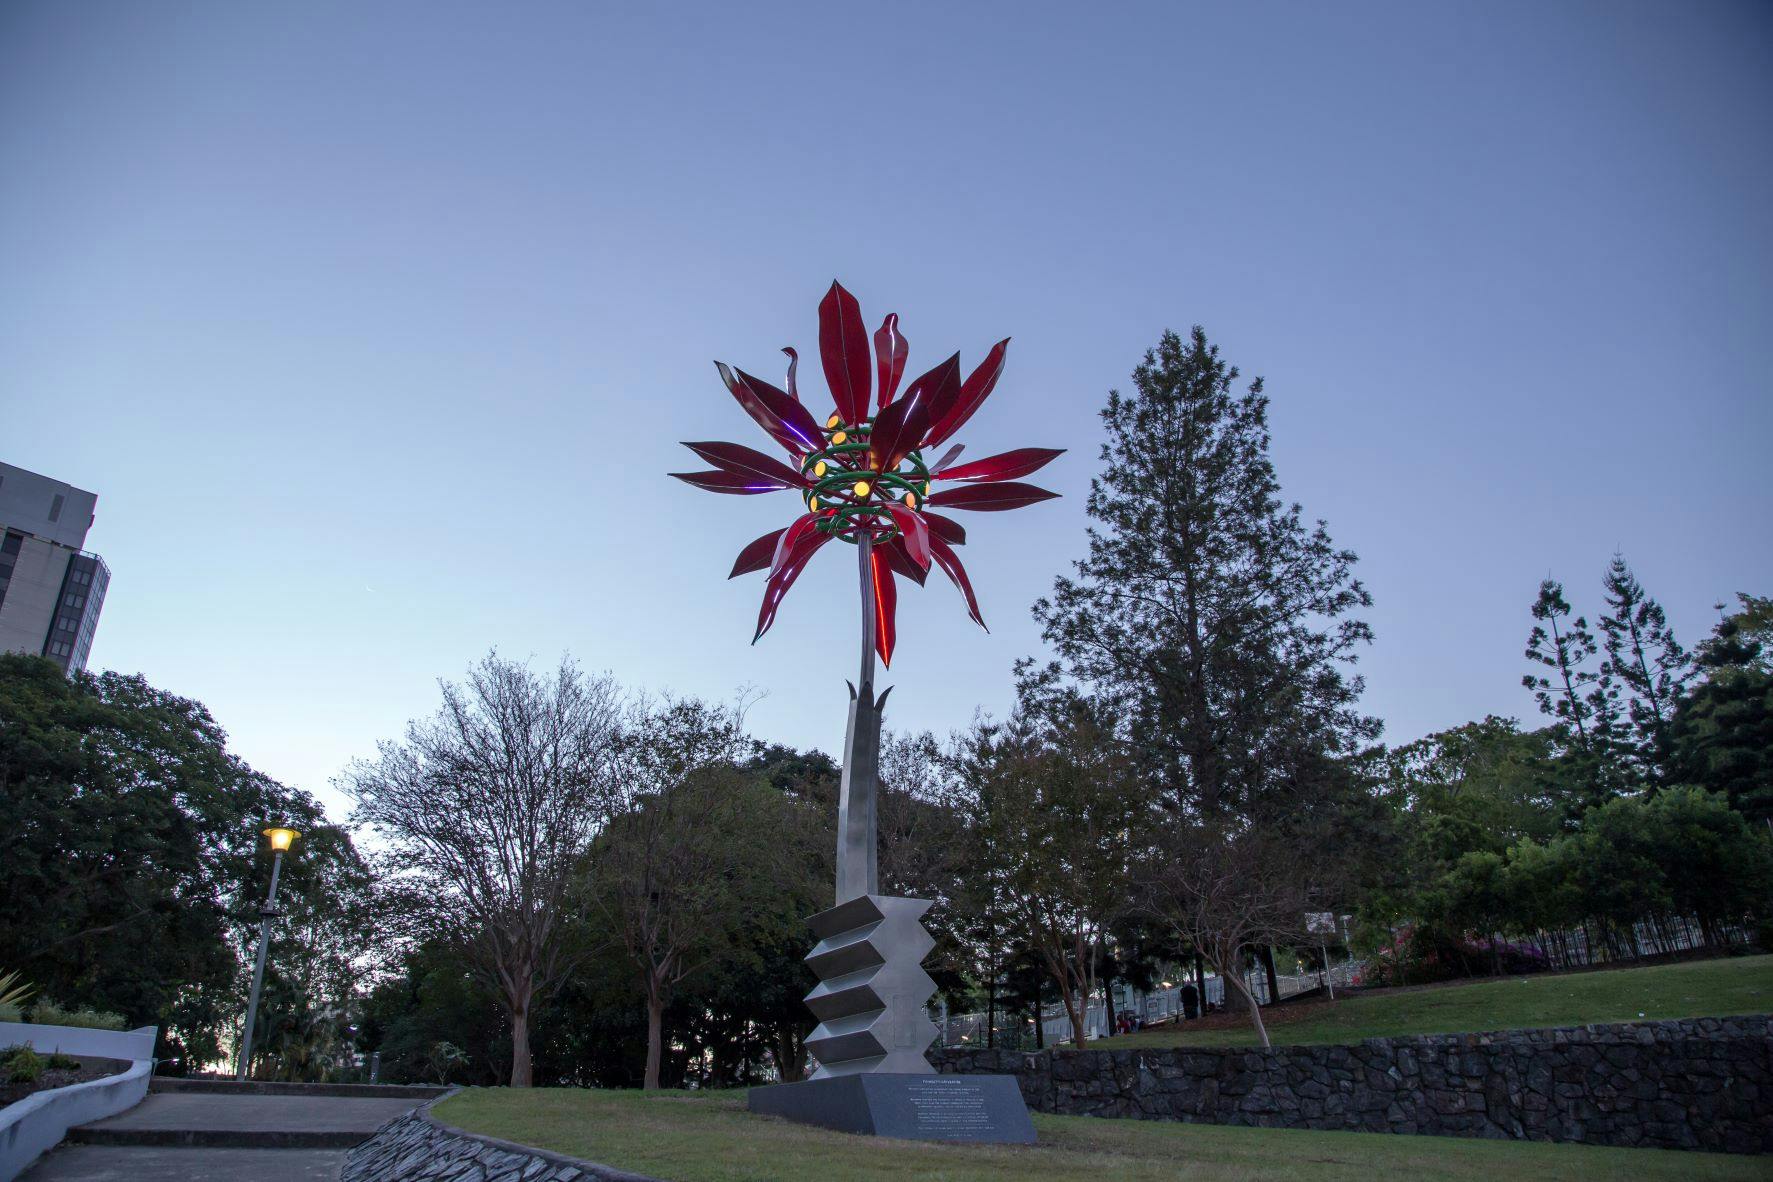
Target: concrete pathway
{"type": "Point", "coordinates": [219, 1132]}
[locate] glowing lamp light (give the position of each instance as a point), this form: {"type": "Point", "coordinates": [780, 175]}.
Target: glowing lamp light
{"type": "Point", "coordinates": [840, 437]}
{"type": "Point", "coordinates": [861, 488]}
{"type": "Point", "coordinates": [281, 838]}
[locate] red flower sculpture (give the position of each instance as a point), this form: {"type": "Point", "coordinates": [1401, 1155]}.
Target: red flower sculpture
{"type": "Point", "coordinates": [862, 475]}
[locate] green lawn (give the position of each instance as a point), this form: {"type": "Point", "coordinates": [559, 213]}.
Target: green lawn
{"type": "Point", "coordinates": [709, 1137]}
{"type": "Point", "coordinates": [1703, 988]}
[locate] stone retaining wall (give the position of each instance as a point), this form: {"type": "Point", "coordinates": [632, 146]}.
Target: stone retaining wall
{"type": "Point", "coordinates": [414, 1147]}
{"type": "Point", "coordinates": [1699, 1083]}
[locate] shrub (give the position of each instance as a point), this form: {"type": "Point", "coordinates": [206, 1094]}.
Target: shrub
{"type": "Point", "coordinates": [21, 1065]}
{"type": "Point", "coordinates": [61, 1062]}
{"type": "Point", "coordinates": [10, 1012]}
{"type": "Point", "coordinates": [47, 1013]}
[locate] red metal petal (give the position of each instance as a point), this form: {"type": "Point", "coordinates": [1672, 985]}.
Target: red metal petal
{"type": "Point", "coordinates": [1007, 466]}
{"type": "Point", "coordinates": [762, 414]}
{"type": "Point", "coordinates": [801, 430]}
{"type": "Point", "coordinates": [890, 351]}
{"type": "Point", "coordinates": [777, 587]}
{"type": "Point", "coordinates": [744, 461]}
{"type": "Point", "coordinates": [843, 347]}
{"type": "Point", "coordinates": [793, 365]}
{"type": "Point", "coordinates": [791, 537]}
{"type": "Point", "coordinates": [886, 607]}
{"type": "Point", "coordinates": [946, 528]}
{"type": "Point", "coordinates": [977, 388]}
{"type": "Point", "coordinates": [898, 429]}
{"type": "Point", "coordinates": [948, 457]}
{"type": "Point", "coordinates": [940, 388]}
{"type": "Point", "coordinates": [990, 497]}
{"type": "Point", "coordinates": [915, 533]}
{"type": "Point", "coordinates": [949, 561]}
{"type": "Point", "coordinates": [756, 555]}
{"type": "Point", "coordinates": [901, 561]}
{"type": "Point", "coordinates": [728, 482]}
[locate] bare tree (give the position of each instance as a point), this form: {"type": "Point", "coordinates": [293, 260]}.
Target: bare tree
{"type": "Point", "coordinates": [488, 809]}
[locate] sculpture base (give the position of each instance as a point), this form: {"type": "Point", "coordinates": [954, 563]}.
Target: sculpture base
{"type": "Point", "coordinates": [975, 1108]}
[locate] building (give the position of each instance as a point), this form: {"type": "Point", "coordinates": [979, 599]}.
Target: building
{"type": "Point", "coordinates": [50, 589]}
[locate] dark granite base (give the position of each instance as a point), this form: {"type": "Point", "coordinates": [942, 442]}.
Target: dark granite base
{"type": "Point", "coordinates": [979, 1108]}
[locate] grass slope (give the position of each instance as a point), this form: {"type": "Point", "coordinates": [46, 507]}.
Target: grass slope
{"type": "Point", "coordinates": [709, 1137]}
{"type": "Point", "coordinates": [1703, 988]}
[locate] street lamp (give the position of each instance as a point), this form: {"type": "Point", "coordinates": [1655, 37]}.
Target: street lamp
{"type": "Point", "coordinates": [281, 839]}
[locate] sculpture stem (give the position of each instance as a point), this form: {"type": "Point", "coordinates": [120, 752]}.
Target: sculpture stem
{"type": "Point", "coordinates": [857, 833]}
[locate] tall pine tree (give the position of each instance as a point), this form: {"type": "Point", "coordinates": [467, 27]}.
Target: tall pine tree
{"type": "Point", "coordinates": [1208, 609]}
{"type": "Point", "coordinates": [1646, 661]}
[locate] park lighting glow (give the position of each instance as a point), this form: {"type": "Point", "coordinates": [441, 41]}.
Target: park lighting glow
{"type": "Point", "coordinates": [281, 838]}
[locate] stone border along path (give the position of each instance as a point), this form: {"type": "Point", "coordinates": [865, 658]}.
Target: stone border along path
{"type": "Point", "coordinates": [218, 1131]}
{"type": "Point", "coordinates": [417, 1147]}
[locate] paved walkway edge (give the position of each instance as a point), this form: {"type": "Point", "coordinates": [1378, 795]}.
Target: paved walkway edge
{"type": "Point", "coordinates": [33, 1126]}
{"type": "Point", "coordinates": [417, 1147]}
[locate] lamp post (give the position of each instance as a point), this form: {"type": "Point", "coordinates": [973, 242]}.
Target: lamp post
{"type": "Point", "coordinates": [280, 841]}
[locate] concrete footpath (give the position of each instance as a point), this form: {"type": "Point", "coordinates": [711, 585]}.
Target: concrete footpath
{"type": "Point", "coordinates": [210, 1131]}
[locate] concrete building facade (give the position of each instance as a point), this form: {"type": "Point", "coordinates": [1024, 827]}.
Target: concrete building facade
{"type": "Point", "coordinates": [51, 590]}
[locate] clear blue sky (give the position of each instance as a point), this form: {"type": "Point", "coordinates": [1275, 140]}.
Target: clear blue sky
{"type": "Point", "coordinates": [375, 327]}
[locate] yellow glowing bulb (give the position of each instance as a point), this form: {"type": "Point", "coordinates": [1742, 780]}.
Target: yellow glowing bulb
{"type": "Point", "coordinates": [911, 500]}
{"type": "Point", "coordinates": [281, 838]}
{"type": "Point", "coordinates": [833, 421]}
{"type": "Point", "coordinates": [839, 437]}
{"type": "Point", "coordinates": [861, 488]}
{"type": "Point", "coordinates": [819, 468]}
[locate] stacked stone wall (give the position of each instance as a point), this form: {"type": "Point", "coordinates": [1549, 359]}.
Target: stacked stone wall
{"type": "Point", "coordinates": [1699, 1083]}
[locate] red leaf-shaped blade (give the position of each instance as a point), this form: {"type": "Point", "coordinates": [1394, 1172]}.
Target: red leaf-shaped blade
{"type": "Point", "coordinates": [898, 429]}
{"type": "Point", "coordinates": [890, 351]}
{"type": "Point", "coordinates": [843, 347]}
{"type": "Point", "coordinates": [886, 607]}
{"type": "Point", "coordinates": [777, 587]}
{"type": "Point", "coordinates": [756, 555]}
{"type": "Point", "coordinates": [901, 561]}
{"type": "Point", "coordinates": [946, 528]}
{"type": "Point", "coordinates": [915, 533]}
{"type": "Point", "coordinates": [793, 366]}
{"type": "Point", "coordinates": [1007, 466]}
{"type": "Point", "coordinates": [939, 388]}
{"type": "Point", "coordinates": [948, 457]}
{"type": "Point", "coordinates": [976, 389]}
{"type": "Point", "coordinates": [791, 537]}
{"type": "Point", "coordinates": [990, 497]}
{"type": "Point", "coordinates": [763, 415]}
{"type": "Point", "coordinates": [801, 428]}
{"type": "Point", "coordinates": [949, 561]}
{"type": "Point", "coordinates": [743, 461]}
{"type": "Point", "coordinates": [728, 482]}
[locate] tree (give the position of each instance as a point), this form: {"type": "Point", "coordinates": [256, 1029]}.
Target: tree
{"type": "Point", "coordinates": [1053, 810]}
{"type": "Point", "coordinates": [1212, 617]}
{"type": "Point", "coordinates": [487, 809]}
{"type": "Point", "coordinates": [1583, 702]}
{"type": "Point", "coordinates": [1644, 658]}
{"type": "Point", "coordinates": [696, 853]}
{"type": "Point", "coordinates": [1722, 731]}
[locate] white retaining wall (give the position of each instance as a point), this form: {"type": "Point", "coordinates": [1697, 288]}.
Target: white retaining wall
{"type": "Point", "coordinates": [36, 1124]}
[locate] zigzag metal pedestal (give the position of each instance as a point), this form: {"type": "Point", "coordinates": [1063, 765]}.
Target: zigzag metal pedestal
{"type": "Point", "coordinates": [872, 1033]}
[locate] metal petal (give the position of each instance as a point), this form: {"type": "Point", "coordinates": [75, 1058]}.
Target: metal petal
{"type": "Point", "coordinates": [940, 388]}
{"type": "Point", "coordinates": [756, 555]}
{"type": "Point", "coordinates": [728, 482]}
{"type": "Point", "coordinates": [948, 457]}
{"type": "Point", "coordinates": [977, 388]}
{"type": "Point", "coordinates": [990, 497]}
{"type": "Point", "coordinates": [901, 561]}
{"type": "Point", "coordinates": [802, 429]}
{"type": "Point", "coordinates": [898, 429]}
{"type": "Point", "coordinates": [777, 587]}
{"type": "Point", "coordinates": [949, 561]}
{"type": "Point", "coordinates": [886, 604]}
{"type": "Point", "coordinates": [793, 365]}
{"type": "Point", "coordinates": [890, 351]}
{"type": "Point", "coordinates": [762, 414]}
{"type": "Point", "coordinates": [744, 461]}
{"type": "Point", "coordinates": [843, 348]}
{"type": "Point", "coordinates": [791, 537]}
{"type": "Point", "coordinates": [914, 532]}
{"type": "Point", "coordinates": [946, 528]}
{"type": "Point", "coordinates": [1007, 466]}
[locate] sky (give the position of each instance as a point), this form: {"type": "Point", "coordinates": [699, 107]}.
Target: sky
{"type": "Point", "coordinates": [376, 327]}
